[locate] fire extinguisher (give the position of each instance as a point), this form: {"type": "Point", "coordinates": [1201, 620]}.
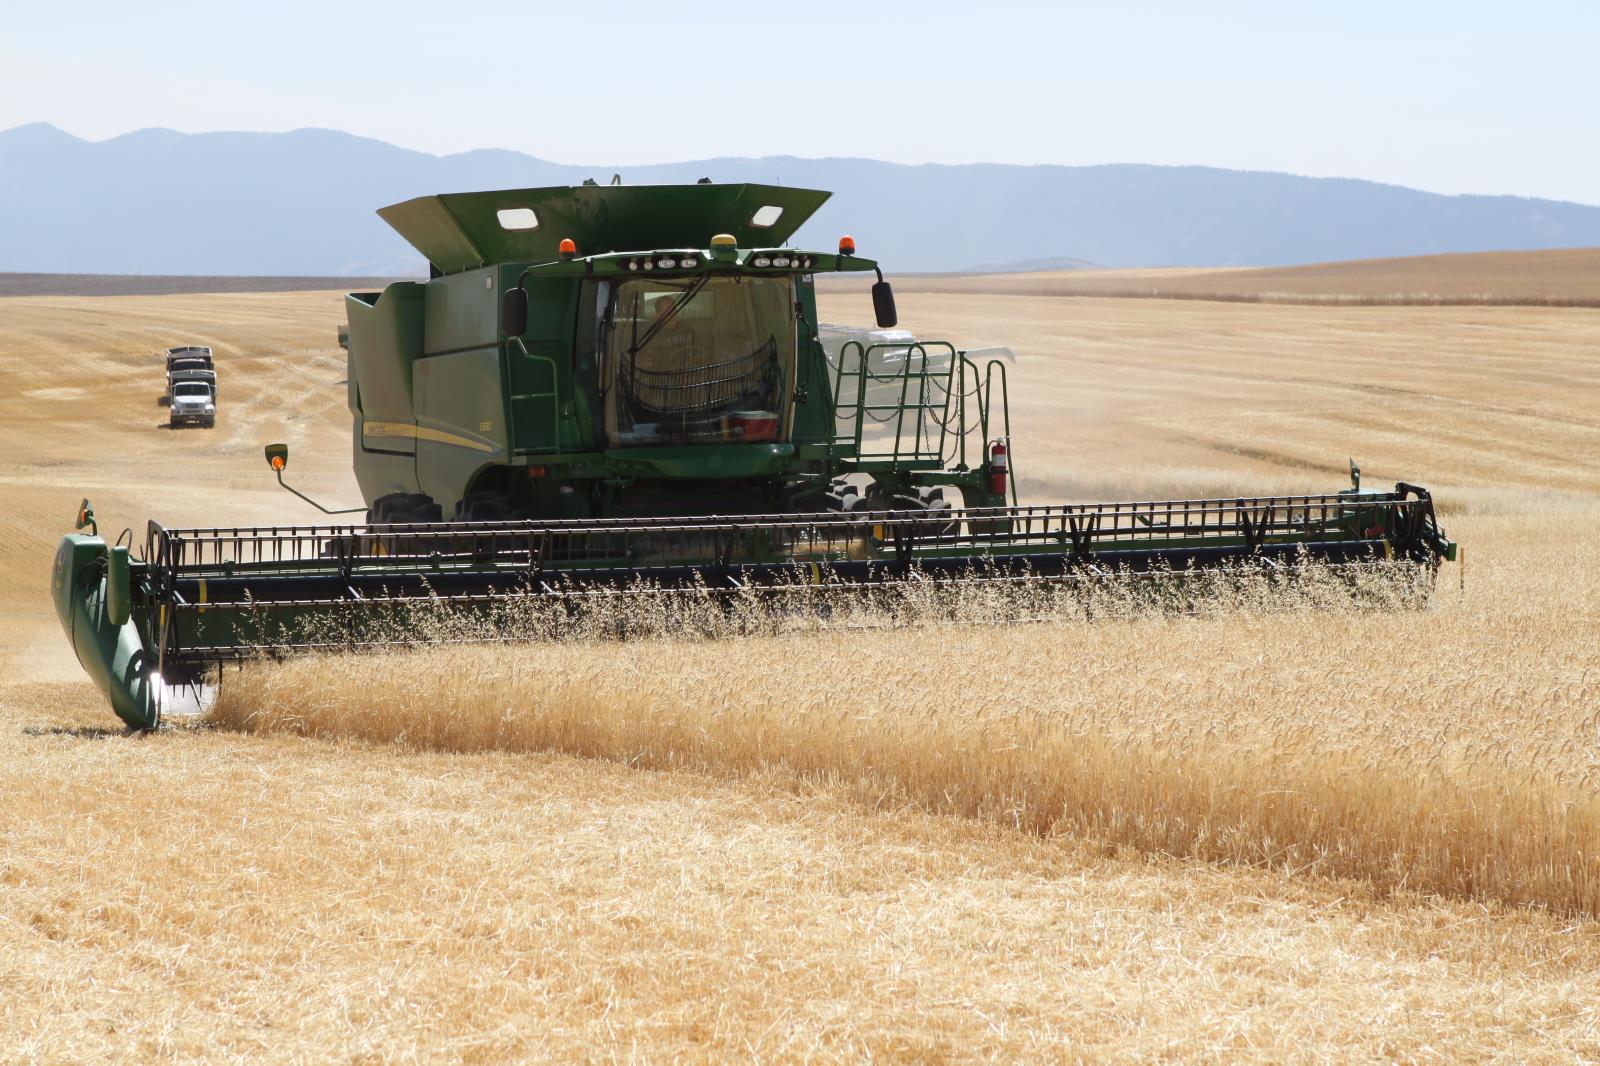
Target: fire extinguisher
{"type": "Point", "coordinates": [998, 467]}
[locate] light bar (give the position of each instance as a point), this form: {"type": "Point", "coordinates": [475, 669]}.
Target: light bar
{"type": "Point", "coordinates": [780, 259]}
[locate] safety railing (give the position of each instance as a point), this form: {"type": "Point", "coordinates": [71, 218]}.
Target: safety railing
{"type": "Point", "coordinates": [892, 401]}
{"type": "Point", "coordinates": [918, 402]}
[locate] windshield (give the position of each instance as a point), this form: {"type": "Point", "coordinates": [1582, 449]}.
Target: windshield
{"type": "Point", "coordinates": [189, 390]}
{"type": "Point", "coordinates": [709, 358]}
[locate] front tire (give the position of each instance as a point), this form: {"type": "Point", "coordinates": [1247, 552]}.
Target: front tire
{"type": "Point", "coordinates": [409, 508]}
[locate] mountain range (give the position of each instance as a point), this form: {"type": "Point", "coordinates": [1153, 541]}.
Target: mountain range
{"type": "Point", "coordinates": [158, 201]}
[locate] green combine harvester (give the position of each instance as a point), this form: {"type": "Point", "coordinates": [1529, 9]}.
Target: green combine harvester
{"type": "Point", "coordinates": [610, 390]}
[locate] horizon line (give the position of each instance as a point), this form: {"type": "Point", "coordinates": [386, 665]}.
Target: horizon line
{"type": "Point", "coordinates": [803, 158]}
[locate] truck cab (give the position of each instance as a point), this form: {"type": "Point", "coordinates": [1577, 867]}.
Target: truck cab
{"type": "Point", "coordinates": [193, 403]}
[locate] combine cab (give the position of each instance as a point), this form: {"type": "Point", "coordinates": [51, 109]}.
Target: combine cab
{"type": "Point", "coordinates": [615, 391]}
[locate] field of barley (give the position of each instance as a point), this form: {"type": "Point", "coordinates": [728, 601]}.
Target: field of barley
{"type": "Point", "coordinates": [1568, 277]}
{"type": "Point", "coordinates": [1273, 829]}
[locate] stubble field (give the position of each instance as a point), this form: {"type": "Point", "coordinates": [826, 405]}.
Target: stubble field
{"type": "Point", "coordinates": [1273, 835]}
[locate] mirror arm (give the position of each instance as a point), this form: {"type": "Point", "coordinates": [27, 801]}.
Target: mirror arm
{"type": "Point", "coordinates": [314, 503]}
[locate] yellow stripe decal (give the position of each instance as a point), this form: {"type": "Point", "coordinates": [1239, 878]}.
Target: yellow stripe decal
{"type": "Point", "coordinates": [438, 436]}
{"type": "Point", "coordinates": [202, 593]}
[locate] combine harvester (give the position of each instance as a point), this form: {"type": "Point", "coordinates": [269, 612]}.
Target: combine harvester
{"type": "Point", "coordinates": [584, 368]}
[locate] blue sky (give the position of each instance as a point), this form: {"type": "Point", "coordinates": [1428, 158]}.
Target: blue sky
{"type": "Point", "coordinates": [1459, 97]}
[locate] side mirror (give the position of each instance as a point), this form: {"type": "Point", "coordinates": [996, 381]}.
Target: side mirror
{"type": "Point", "coordinates": [278, 456]}
{"type": "Point", "coordinates": [883, 304]}
{"type": "Point", "coordinates": [514, 312]}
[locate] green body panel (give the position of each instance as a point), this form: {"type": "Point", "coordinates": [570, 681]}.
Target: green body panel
{"type": "Point", "coordinates": [383, 473]}
{"type": "Point", "coordinates": [461, 311]}
{"type": "Point", "coordinates": [384, 339]}
{"type": "Point", "coordinates": [97, 621]}
{"type": "Point", "coordinates": [689, 461]}
{"type": "Point", "coordinates": [386, 332]}
{"type": "Point", "coordinates": [460, 420]}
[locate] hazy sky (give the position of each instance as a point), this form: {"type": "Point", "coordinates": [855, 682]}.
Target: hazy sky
{"type": "Point", "coordinates": [1450, 97]}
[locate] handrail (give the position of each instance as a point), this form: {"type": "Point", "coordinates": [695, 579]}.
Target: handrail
{"type": "Point", "coordinates": [924, 396]}
{"type": "Point", "coordinates": [554, 396]}
{"type": "Point", "coordinates": [1005, 409]}
{"type": "Point", "coordinates": [947, 405]}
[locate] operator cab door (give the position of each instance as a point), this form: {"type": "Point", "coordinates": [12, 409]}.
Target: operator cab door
{"type": "Point", "coordinates": [545, 414]}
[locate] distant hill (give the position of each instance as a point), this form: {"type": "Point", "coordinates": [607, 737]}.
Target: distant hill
{"type": "Point", "coordinates": [161, 202]}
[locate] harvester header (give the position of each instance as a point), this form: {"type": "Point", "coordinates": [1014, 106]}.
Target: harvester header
{"type": "Point", "coordinates": [620, 392]}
